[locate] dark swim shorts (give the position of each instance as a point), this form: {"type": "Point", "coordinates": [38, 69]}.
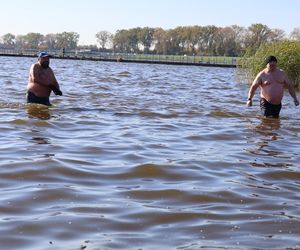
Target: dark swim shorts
{"type": "Point", "coordinates": [268, 109]}
{"type": "Point", "coordinates": [32, 98]}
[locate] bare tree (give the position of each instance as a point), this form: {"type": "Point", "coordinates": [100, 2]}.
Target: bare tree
{"type": "Point", "coordinates": [104, 39]}
{"type": "Point", "coordinates": [295, 34]}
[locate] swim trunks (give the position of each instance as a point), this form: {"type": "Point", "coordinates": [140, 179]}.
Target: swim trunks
{"type": "Point", "coordinates": [32, 98]}
{"type": "Point", "coordinates": [268, 109]}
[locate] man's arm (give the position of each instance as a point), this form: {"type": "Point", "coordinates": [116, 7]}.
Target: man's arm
{"type": "Point", "coordinates": [253, 88]}
{"type": "Point", "coordinates": [54, 81]}
{"type": "Point", "coordinates": [291, 89]}
{"type": "Point", "coordinates": [54, 85]}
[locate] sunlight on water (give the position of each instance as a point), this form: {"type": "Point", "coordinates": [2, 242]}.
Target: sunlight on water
{"type": "Point", "coordinates": [140, 156]}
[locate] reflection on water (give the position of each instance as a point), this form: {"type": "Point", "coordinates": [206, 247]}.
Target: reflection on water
{"type": "Point", "coordinates": [135, 155]}
{"type": "Point", "coordinates": [267, 133]}
{"type": "Point", "coordinates": [38, 111]}
{"type": "Point", "coordinates": [270, 123]}
{"type": "Point", "coordinates": [40, 140]}
{"type": "Point", "coordinates": [269, 127]}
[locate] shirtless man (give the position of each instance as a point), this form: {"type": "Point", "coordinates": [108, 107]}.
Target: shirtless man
{"type": "Point", "coordinates": [41, 81]}
{"type": "Point", "coordinates": [272, 82]}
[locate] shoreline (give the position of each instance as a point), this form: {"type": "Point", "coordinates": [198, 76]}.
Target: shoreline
{"type": "Point", "coordinates": [128, 58]}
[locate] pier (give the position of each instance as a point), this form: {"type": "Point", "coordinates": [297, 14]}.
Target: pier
{"type": "Point", "coordinates": [194, 60]}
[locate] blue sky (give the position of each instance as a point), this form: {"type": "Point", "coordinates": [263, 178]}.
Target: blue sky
{"type": "Point", "coordinates": [87, 17]}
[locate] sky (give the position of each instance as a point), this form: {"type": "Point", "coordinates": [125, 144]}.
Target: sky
{"type": "Point", "coordinates": [87, 17]}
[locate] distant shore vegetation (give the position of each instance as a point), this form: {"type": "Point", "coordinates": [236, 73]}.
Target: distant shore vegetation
{"type": "Point", "coordinates": [288, 56]}
{"type": "Point", "coordinates": [232, 41]}
{"type": "Point", "coordinates": [251, 45]}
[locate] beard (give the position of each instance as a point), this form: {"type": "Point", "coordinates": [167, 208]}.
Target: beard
{"type": "Point", "coordinates": [45, 65]}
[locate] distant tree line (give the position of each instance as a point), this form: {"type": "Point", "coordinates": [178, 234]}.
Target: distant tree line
{"type": "Point", "coordinates": [190, 40]}
{"type": "Point", "coordinates": [67, 40]}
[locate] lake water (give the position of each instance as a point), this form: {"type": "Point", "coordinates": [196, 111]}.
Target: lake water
{"type": "Point", "coordinates": [137, 156]}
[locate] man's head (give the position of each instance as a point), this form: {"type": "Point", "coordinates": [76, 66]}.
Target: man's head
{"type": "Point", "coordinates": [271, 62]}
{"type": "Point", "coordinates": [43, 58]}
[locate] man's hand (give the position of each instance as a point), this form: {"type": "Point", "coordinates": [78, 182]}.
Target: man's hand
{"type": "Point", "coordinates": [249, 103]}
{"type": "Point", "coordinates": [58, 92]}
{"type": "Point", "coordinates": [55, 90]}
{"type": "Point", "coordinates": [296, 101]}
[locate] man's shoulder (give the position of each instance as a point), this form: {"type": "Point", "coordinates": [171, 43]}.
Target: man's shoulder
{"type": "Point", "coordinates": [280, 73]}
{"type": "Point", "coordinates": [35, 65]}
{"type": "Point", "coordinates": [261, 73]}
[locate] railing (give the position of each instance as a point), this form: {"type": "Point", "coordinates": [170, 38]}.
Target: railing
{"type": "Point", "coordinates": [128, 57]}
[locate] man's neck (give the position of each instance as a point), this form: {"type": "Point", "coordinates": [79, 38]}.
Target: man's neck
{"type": "Point", "coordinates": [269, 70]}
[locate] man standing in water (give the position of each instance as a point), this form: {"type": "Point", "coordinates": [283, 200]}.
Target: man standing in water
{"type": "Point", "coordinates": [272, 82]}
{"type": "Point", "coordinates": [41, 81]}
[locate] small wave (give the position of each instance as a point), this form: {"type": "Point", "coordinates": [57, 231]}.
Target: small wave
{"type": "Point", "coordinates": [150, 171]}
{"type": "Point", "coordinates": [124, 74]}
{"type": "Point", "coordinates": [18, 121]}
{"type": "Point", "coordinates": [150, 114]}
{"type": "Point", "coordinates": [218, 113]}
{"type": "Point", "coordinates": [111, 80]}
{"type": "Point", "coordinates": [7, 105]}
{"type": "Point", "coordinates": [81, 109]}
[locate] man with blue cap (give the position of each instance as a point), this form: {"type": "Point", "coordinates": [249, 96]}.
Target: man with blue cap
{"type": "Point", "coordinates": [272, 82]}
{"type": "Point", "coordinates": [41, 81]}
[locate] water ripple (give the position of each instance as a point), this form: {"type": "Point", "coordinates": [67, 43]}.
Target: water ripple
{"type": "Point", "coordinates": [135, 155]}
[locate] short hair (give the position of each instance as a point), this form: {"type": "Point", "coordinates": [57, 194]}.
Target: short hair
{"type": "Point", "coordinates": [270, 59]}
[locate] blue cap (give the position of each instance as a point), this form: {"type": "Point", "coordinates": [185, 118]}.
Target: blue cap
{"type": "Point", "coordinates": [43, 54]}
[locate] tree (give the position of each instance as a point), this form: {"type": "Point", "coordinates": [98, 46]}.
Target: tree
{"type": "Point", "coordinates": [209, 39]}
{"type": "Point", "coordinates": [201, 43]}
{"type": "Point", "coordinates": [295, 34]}
{"type": "Point", "coordinates": [176, 40]}
{"type": "Point", "coordinates": [121, 41]}
{"type": "Point", "coordinates": [257, 36]}
{"type": "Point", "coordinates": [20, 42]}
{"type": "Point", "coordinates": [67, 40]}
{"type": "Point", "coordinates": [9, 40]}
{"type": "Point", "coordinates": [33, 40]}
{"type": "Point", "coordinates": [104, 39]}
{"type": "Point", "coordinates": [126, 41]}
{"type": "Point", "coordinates": [145, 37]}
{"type": "Point", "coordinates": [240, 39]}
{"type": "Point", "coordinates": [160, 40]}
{"type": "Point", "coordinates": [193, 35]}
{"type": "Point", "coordinates": [229, 41]}
{"type": "Point", "coordinates": [133, 37]}
{"type": "Point", "coordinates": [50, 41]}
{"type": "Point", "coordinates": [276, 35]}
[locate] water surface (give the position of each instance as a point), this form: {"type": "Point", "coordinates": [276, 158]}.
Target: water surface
{"type": "Point", "coordinates": [137, 156]}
